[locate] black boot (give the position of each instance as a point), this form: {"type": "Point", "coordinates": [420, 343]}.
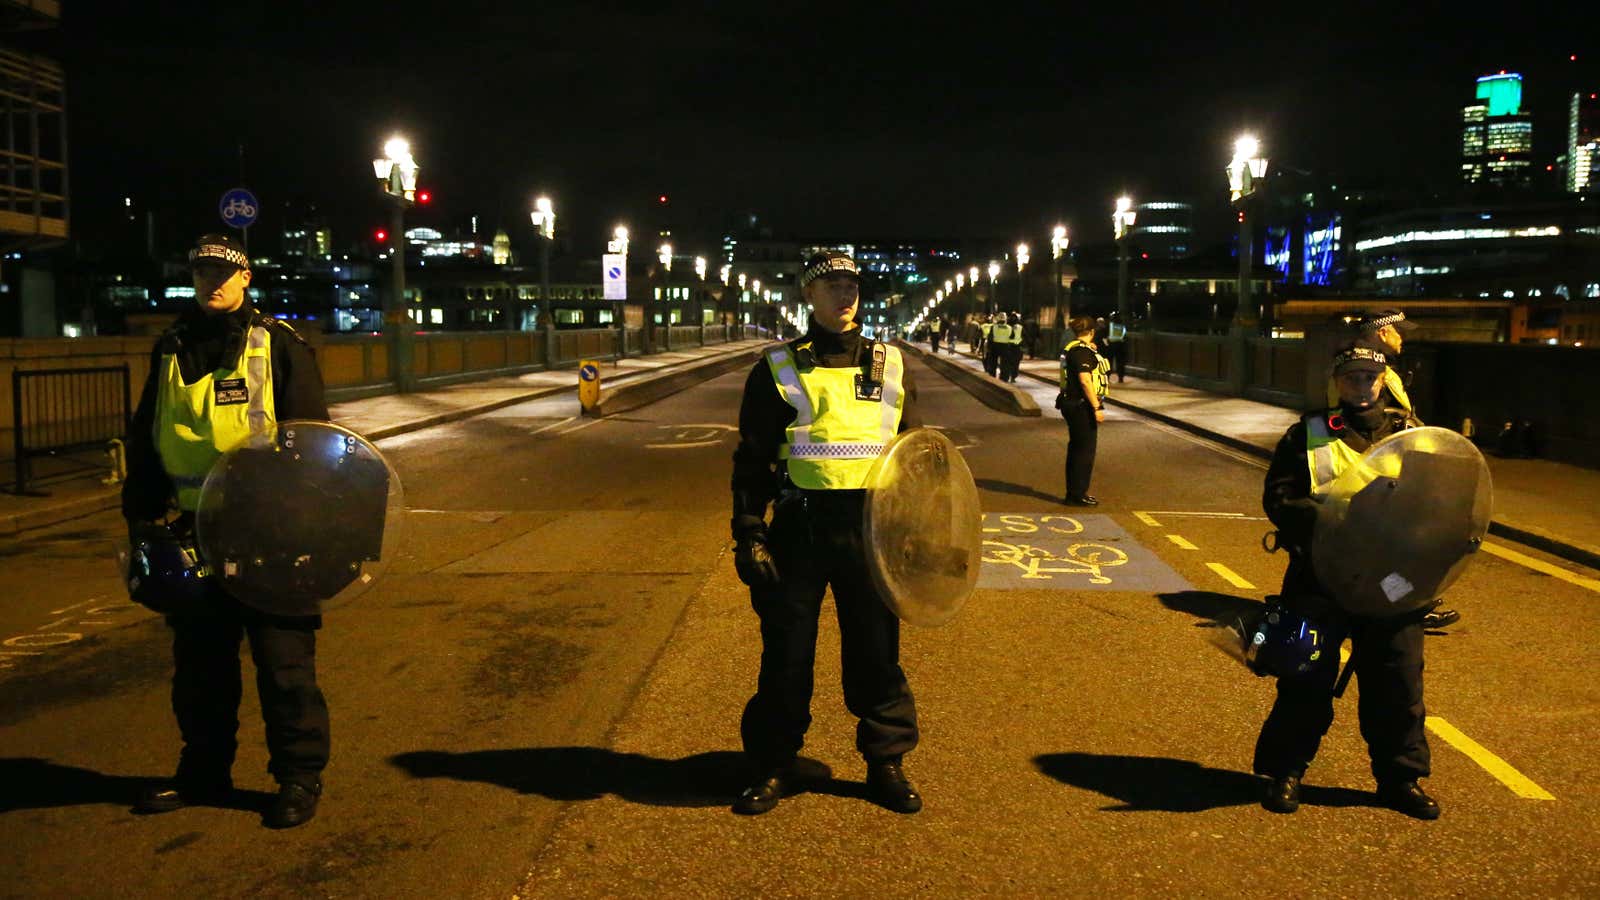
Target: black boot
{"type": "Point", "coordinates": [176, 793]}
{"type": "Point", "coordinates": [887, 784]}
{"type": "Point", "coordinates": [1283, 795]}
{"type": "Point", "coordinates": [296, 804]}
{"type": "Point", "coordinates": [1409, 798]}
{"type": "Point", "coordinates": [765, 792]}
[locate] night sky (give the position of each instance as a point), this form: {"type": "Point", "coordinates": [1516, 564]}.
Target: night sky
{"type": "Point", "coordinates": [868, 119]}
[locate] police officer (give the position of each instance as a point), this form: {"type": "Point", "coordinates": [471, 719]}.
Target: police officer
{"type": "Point", "coordinates": [999, 339]}
{"type": "Point", "coordinates": [1011, 353]}
{"type": "Point", "coordinates": [1116, 345]}
{"type": "Point", "coordinates": [1386, 653]}
{"type": "Point", "coordinates": [207, 393]}
{"type": "Point", "coordinates": [1082, 404]}
{"type": "Point", "coordinates": [934, 334]}
{"type": "Point", "coordinates": [807, 445]}
{"type": "Point", "coordinates": [984, 326]}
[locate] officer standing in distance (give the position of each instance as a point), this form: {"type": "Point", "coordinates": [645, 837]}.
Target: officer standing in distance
{"type": "Point", "coordinates": [1082, 402]}
{"type": "Point", "coordinates": [1116, 346]}
{"type": "Point", "coordinates": [1386, 653]}
{"type": "Point", "coordinates": [207, 393]}
{"type": "Point", "coordinates": [933, 333]}
{"type": "Point", "coordinates": [1011, 353]}
{"type": "Point", "coordinates": [816, 413]}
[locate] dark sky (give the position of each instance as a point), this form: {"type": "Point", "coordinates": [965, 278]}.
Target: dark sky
{"type": "Point", "coordinates": [851, 119]}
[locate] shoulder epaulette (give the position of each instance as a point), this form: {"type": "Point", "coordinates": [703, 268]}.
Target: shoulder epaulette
{"type": "Point", "coordinates": [280, 325]}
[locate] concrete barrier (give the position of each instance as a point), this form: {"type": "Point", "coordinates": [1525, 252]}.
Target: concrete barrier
{"type": "Point", "coordinates": [1007, 398]}
{"type": "Point", "coordinates": [636, 394]}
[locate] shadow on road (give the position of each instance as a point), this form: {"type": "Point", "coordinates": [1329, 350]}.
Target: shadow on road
{"type": "Point", "coordinates": [1021, 490]}
{"type": "Point", "coordinates": [1209, 605]}
{"type": "Point", "coordinates": [1153, 783]}
{"type": "Point", "coordinates": [33, 783]}
{"type": "Point", "coordinates": [589, 773]}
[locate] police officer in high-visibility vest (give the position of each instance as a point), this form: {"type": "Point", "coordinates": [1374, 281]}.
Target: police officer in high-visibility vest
{"type": "Point", "coordinates": [1386, 653]}
{"type": "Point", "coordinates": [1011, 357]}
{"type": "Point", "coordinates": [934, 334]}
{"type": "Point", "coordinates": [223, 372]}
{"type": "Point", "coordinates": [988, 344]}
{"type": "Point", "coordinates": [1116, 345]}
{"type": "Point", "coordinates": [815, 415]}
{"type": "Point", "coordinates": [1082, 403]}
{"type": "Point", "coordinates": [999, 340]}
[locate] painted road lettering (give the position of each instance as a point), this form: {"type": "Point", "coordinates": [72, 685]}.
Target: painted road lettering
{"type": "Point", "coordinates": [63, 631]}
{"type": "Point", "coordinates": [1028, 551]}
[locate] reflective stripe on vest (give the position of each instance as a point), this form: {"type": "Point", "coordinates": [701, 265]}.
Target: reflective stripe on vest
{"type": "Point", "coordinates": [1326, 455]}
{"type": "Point", "coordinates": [1097, 377]}
{"type": "Point", "coordinates": [835, 437]}
{"type": "Point", "coordinates": [192, 431]}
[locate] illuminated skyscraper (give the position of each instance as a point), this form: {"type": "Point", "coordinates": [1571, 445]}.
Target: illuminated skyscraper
{"type": "Point", "coordinates": [1583, 144]}
{"type": "Point", "coordinates": [1497, 134]}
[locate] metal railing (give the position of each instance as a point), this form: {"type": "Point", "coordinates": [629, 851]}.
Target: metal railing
{"type": "Point", "coordinates": [57, 411]}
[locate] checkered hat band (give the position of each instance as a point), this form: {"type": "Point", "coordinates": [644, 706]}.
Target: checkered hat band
{"type": "Point", "coordinates": [828, 267]}
{"type": "Point", "coordinates": [220, 251]}
{"type": "Point", "coordinates": [1381, 321]}
{"type": "Point", "coordinates": [834, 451]}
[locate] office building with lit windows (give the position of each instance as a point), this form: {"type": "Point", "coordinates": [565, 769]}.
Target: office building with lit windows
{"type": "Point", "coordinates": [1583, 144]}
{"type": "Point", "coordinates": [1497, 134]}
{"type": "Point", "coordinates": [1163, 229]}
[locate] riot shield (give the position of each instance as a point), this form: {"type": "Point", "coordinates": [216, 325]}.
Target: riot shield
{"type": "Point", "coordinates": [1395, 531]}
{"type": "Point", "coordinates": [922, 527]}
{"type": "Point", "coordinates": [292, 524]}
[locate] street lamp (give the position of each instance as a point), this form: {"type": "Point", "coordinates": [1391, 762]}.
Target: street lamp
{"type": "Point", "coordinates": [1121, 224]}
{"type": "Point", "coordinates": [544, 221]}
{"type": "Point", "coordinates": [994, 273]}
{"type": "Point", "coordinates": [664, 256]}
{"type": "Point", "coordinates": [396, 172]}
{"type": "Point", "coordinates": [1244, 172]}
{"type": "Point", "coordinates": [619, 312]}
{"type": "Point", "coordinates": [1058, 249]}
{"type": "Point", "coordinates": [1022, 260]}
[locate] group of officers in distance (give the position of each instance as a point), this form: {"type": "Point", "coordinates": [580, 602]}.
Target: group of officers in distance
{"type": "Point", "coordinates": [815, 413]}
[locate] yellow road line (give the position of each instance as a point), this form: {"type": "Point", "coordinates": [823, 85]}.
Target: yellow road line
{"type": "Point", "coordinates": [1145, 518]}
{"type": "Point", "coordinates": [1520, 784]}
{"type": "Point", "coordinates": [1183, 544]}
{"type": "Point", "coordinates": [1539, 565]}
{"type": "Point", "coordinates": [1230, 576]}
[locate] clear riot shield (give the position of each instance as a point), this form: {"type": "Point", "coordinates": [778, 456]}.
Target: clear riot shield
{"type": "Point", "coordinates": [923, 527]}
{"type": "Point", "coordinates": [310, 517]}
{"type": "Point", "coordinates": [1395, 531]}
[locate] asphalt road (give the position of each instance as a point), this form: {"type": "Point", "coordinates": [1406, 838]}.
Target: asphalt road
{"type": "Point", "coordinates": [542, 698]}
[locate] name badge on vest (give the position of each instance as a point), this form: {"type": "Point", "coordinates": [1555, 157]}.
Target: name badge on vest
{"type": "Point", "coordinates": [869, 390]}
{"type": "Point", "coordinates": [231, 392]}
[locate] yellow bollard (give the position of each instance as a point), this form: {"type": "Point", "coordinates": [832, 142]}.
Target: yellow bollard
{"type": "Point", "coordinates": [589, 385]}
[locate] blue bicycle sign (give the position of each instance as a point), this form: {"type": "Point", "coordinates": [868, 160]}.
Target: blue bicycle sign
{"type": "Point", "coordinates": [238, 208]}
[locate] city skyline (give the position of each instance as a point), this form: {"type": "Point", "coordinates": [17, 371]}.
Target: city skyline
{"type": "Point", "coordinates": [882, 122]}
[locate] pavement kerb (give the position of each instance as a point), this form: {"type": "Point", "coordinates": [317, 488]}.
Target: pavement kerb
{"type": "Point", "coordinates": [111, 497]}
{"type": "Point", "coordinates": [993, 393]}
{"type": "Point", "coordinates": [1528, 535]}
{"type": "Point", "coordinates": [637, 392]}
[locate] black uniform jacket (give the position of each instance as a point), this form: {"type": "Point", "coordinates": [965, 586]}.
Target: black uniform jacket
{"type": "Point", "coordinates": [205, 342]}
{"type": "Point", "coordinates": [758, 474]}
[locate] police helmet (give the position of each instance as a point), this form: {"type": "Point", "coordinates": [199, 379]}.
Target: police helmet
{"type": "Point", "coordinates": [1283, 643]}
{"type": "Point", "coordinates": [164, 572]}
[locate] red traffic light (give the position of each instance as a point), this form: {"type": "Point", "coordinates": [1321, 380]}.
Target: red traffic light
{"type": "Point", "coordinates": [662, 199]}
{"type": "Point", "coordinates": [424, 197]}
{"type": "Point", "coordinates": [381, 235]}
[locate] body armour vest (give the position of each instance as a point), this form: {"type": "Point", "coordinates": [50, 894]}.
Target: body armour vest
{"type": "Point", "coordinates": [197, 423]}
{"type": "Point", "coordinates": [1097, 377]}
{"type": "Point", "coordinates": [1327, 456]}
{"type": "Point", "coordinates": [843, 416]}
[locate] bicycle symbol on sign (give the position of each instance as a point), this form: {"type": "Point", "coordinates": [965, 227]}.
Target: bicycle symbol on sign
{"type": "Point", "coordinates": [1037, 562]}
{"type": "Point", "coordinates": [236, 208]}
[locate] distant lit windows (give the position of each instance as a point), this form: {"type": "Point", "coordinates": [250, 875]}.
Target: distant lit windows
{"type": "Point", "coordinates": [1457, 234]}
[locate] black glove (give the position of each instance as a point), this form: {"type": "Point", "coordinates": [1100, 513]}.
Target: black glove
{"type": "Point", "coordinates": [753, 560]}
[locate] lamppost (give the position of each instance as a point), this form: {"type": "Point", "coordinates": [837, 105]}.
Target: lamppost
{"type": "Point", "coordinates": [544, 221]}
{"type": "Point", "coordinates": [1058, 249]}
{"type": "Point", "coordinates": [726, 275]}
{"type": "Point", "coordinates": [739, 304]}
{"type": "Point", "coordinates": [994, 274]}
{"type": "Point", "coordinates": [663, 256]}
{"type": "Point", "coordinates": [619, 244]}
{"type": "Point", "coordinates": [1244, 173]}
{"type": "Point", "coordinates": [700, 278]}
{"type": "Point", "coordinates": [396, 171]}
{"type": "Point", "coordinates": [1022, 289]}
{"type": "Point", "coordinates": [1121, 224]}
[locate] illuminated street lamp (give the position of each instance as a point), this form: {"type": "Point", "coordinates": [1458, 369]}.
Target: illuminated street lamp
{"type": "Point", "coordinates": [1022, 260]}
{"type": "Point", "coordinates": [1121, 224]}
{"type": "Point", "coordinates": [662, 296]}
{"type": "Point", "coordinates": [619, 245]}
{"type": "Point", "coordinates": [1244, 172]}
{"type": "Point", "coordinates": [544, 221]}
{"type": "Point", "coordinates": [396, 172]}
{"type": "Point", "coordinates": [1058, 249]}
{"type": "Point", "coordinates": [994, 274]}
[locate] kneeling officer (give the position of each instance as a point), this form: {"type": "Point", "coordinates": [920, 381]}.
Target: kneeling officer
{"type": "Point", "coordinates": [815, 415]}
{"type": "Point", "coordinates": [223, 372]}
{"type": "Point", "coordinates": [1386, 653]}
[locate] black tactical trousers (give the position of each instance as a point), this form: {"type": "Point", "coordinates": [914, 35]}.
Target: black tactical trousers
{"type": "Point", "coordinates": [206, 689]}
{"type": "Point", "coordinates": [1388, 672]}
{"type": "Point", "coordinates": [1083, 434]}
{"type": "Point", "coordinates": [816, 544]}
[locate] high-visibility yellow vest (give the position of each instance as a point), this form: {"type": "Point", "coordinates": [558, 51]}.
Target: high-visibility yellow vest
{"type": "Point", "coordinates": [197, 423]}
{"type": "Point", "coordinates": [1001, 334]}
{"type": "Point", "coordinates": [986, 328]}
{"type": "Point", "coordinates": [837, 433]}
{"type": "Point", "coordinates": [1069, 380]}
{"type": "Point", "coordinates": [1391, 382]}
{"type": "Point", "coordinates": [933, 325]}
